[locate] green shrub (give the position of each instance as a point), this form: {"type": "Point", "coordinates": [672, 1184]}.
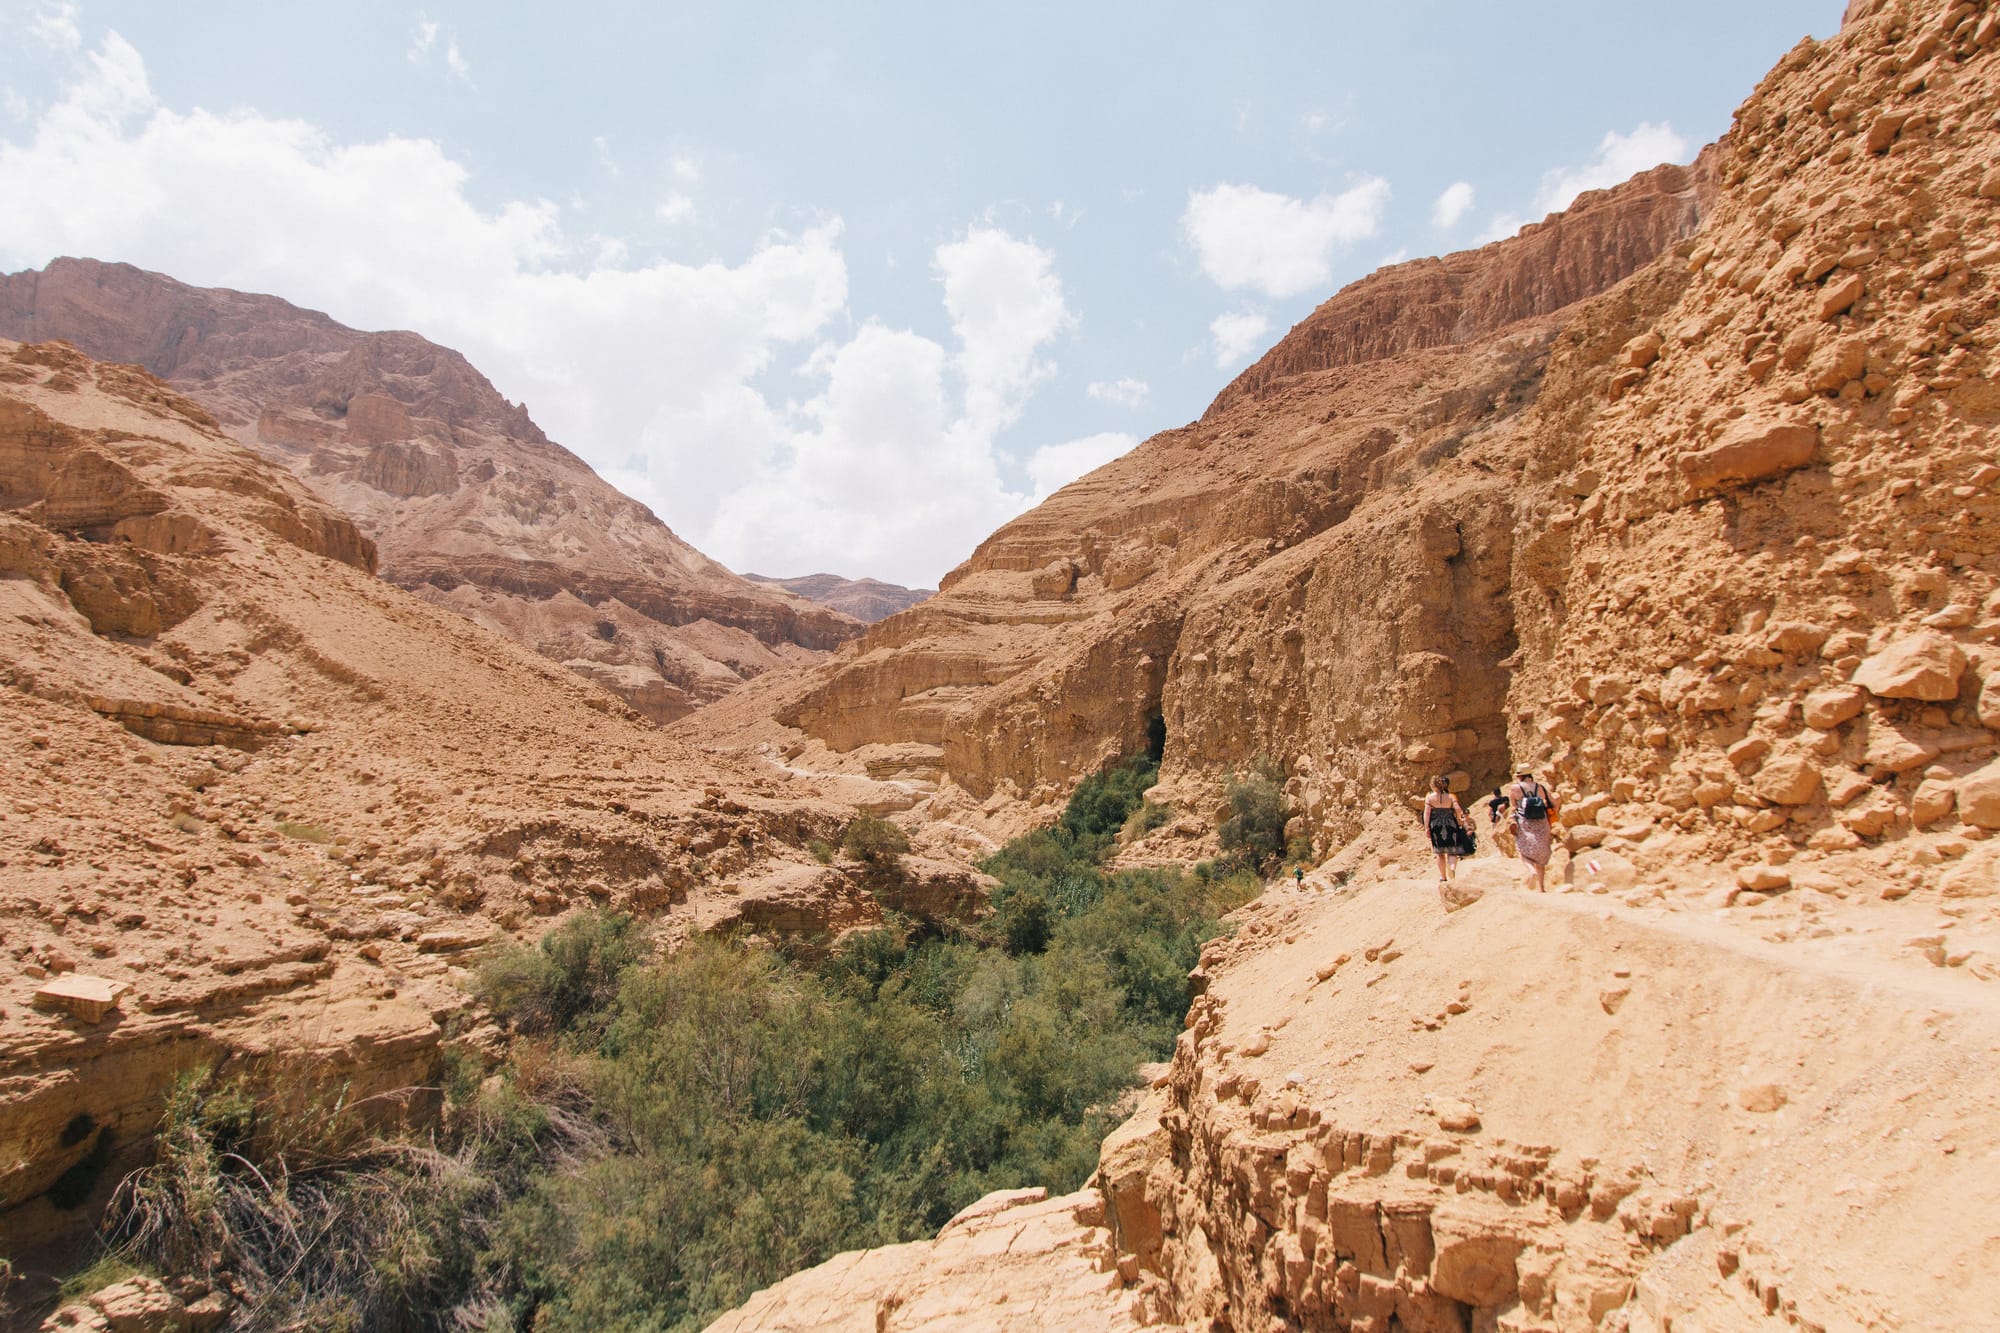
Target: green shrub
{"type": "Point", "coordinates": [670, 1133]}
{"type": "Point", "coordinates": [1254, 834]}
{"type": "Point", "coordinates": [1144, 820]}
{"type": "Point", "coordinates": [874, 840]}
{"type": "Point", "coordinates": [1102, 802]}
{"type": "Point", "coordinates": [571, 975]}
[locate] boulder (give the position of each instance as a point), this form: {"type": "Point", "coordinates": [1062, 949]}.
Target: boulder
{"type": "Point", "coordinates": [1918, 666]}
{"type": "Point", "coordinates": [1979, 796]}
{"type": "Point", "coordinates": [1787, 780]}
{"type": "Point", "coordinates": [1456, 894]}
{"type": "Point", "coordinates": [1752, 451]}
{"type": "Point", "coordinates": [1932, 801]}
{"type": "Point", "coordinates": [1893, 750]}
{"type": "Point", "coordinates": [1474, 1261]}
{"type": "Point", "coordinates": [1826, 709]}
{"type": "Point", "coordinates": [1840, 296]}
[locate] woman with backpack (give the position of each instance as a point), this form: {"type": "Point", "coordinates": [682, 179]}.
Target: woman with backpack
{"type": "Point", "coordinates": [1534, 808]}
{"type": "Point", "coordinates": [1450, 831]}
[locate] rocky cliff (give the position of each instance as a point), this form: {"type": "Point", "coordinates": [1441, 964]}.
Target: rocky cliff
{"type": "Point", "coordinates": [260, 805]}
{"type": "Point", "coordinates": [867, 600]}
{"type": "Point", "coordinates": [1690, 542]}
{"type": "Point", "coordinates": [469, 504]}
{"type": "Point", "coordinates": [1716, 549]}
{"type": "Point", "coordinates": [1556, 1114]}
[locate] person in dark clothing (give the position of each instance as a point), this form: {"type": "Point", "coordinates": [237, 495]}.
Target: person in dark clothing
{"type": "Point", "coordinates": [1450, 831]}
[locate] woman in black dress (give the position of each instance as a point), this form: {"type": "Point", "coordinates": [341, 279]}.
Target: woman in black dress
{"type": "Point", "coordinates": [1450, 831]}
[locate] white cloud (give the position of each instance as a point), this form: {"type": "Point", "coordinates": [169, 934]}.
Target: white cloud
{"type": "Point", "coordinates": [1126, 392]}
{"type": "Point", "coordinates": [1499, 227]}
{"type": "Point", "coordinates": [605, 157]}
{"type": "Point", "coordinates": [16, 105]}
{"type": "Point", "coordinates": [1237, 334]}
{"type": "Point", "coordinates": [1451, 205]}
{"type": "Point", "coordinates": [891, 468]}
{"type": "Point", "coordinates": [1619, 157]}
{"type": "Point", "coordinates": [1005, 302]}
{"type": "Point", "coordinates": [1054, 466]}
{"type": "Point", "coordinates": [685, 168]}
{"type": "Point", "coordinates": [1273, 243]}
{"type": "Point", "coordinates": [422, 38]}
{"type": "Point", "coordinates": [424, 41]}
{"type": "Point", "coordinates": [56, 25]}
{"type": "Point", "coordinates": [675, 208]}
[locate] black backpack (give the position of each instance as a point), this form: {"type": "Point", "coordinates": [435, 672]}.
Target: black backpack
{"type": "Point", "coordinates": [1534, 805]}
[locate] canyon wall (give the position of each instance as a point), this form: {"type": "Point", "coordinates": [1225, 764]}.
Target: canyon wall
{"type": "Point", "coordinates": [468, 502]}
{"type": "Point", "coordinates": [867, 600]}
{"type": "Point", "coordinates": [266, 804]}
{"type": "Point", "coordinates": [1688, 543]}
{"type": "Point", "coordinates": [1716, 549]}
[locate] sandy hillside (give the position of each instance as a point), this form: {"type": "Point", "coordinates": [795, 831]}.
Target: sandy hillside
{"type": "Point", "coordinates": [275, 799]}
{"type": "Point", "coordinates": [470, 505]}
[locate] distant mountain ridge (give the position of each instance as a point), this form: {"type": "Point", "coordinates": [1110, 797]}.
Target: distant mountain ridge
{"type": "Point", "coordinates": [469, 503]}
{"type": "Point", "coordinates": [867, 600]}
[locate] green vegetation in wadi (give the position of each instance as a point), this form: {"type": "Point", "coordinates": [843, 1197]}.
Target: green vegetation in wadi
{"type": "Point", "coordinates": [670, 1133]}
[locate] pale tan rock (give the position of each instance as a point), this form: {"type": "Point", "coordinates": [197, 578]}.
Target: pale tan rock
{"type": "Point", "coordinates": [1459, 1117]}
{"type": "Point", "coordinates": [1457, 895]}
{"type": "Point", "coordinates": [1762, 1098]}
{"type": "Point", "coordinates": [1828, 708]}
{"type": "Point", "coordinates": [1025, 1267]}
{"type": "Point", "coordinates": [1893, 749]}
{"type": "Point", "coordinates": [91, 999]}
{"type": "Point", "coordinates": [1916, 666]}
{"type": "Point", "coordinates": [1476, 1249]}
{"type": "Point", "coordinates": [1979, 797]}
{"type": "Point", "coordinates": [1933, 800]}
{"type": "Point", "coordinates": [1752, 452]}
{"type": "Point", "coordinates": [1788, 780]}
{"type": "Point", "coordinates": [1840, 295]}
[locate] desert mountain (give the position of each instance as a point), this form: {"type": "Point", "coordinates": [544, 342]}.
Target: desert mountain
{"type": "Point", "coordinates": [867, 600]}
{"type": "Point", "coordinates": [468, 502]}
{"type": "Point", "coordinates": [271, 797]}
{"type": "Point", "coordinates": [1687, 498]}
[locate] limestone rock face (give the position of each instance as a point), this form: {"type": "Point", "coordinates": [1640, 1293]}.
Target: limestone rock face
{"type": "Point", "coordinates": [1014, 1262]}
{"type": "Point", "coordinates": [1627, 498]}
{"type": "Point", "coordinates": [467, 501]}
{"type": "Point", "coordinates": [867, 600]}
{"type": "Point", "coordinates": [260, 803]}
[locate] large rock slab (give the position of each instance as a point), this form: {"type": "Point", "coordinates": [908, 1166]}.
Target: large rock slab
{"type": "Point", "coordinates": [1752, 452]}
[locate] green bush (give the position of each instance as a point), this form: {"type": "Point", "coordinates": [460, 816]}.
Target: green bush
{"type": "Point", "coordinates": [1102, 802]}
{"type": "Point", "coordinates": [873, 840]}
{"type": "Point", "coordinates": [572, 974]}
{"type": "Point", "coordinates": [1253, 836]}
{"type": "Point", "coordinates": [669, 1134]}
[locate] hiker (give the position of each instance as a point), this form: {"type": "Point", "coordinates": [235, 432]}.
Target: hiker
{"type": "Point", "coordinates": [1299, 876]}
{"type": "Point", "coordinates": [1534, 807]}
{"type": "Point", "coordinates": [1500, 818]}
{"type": "Point", "coordinates": [1450, 832]}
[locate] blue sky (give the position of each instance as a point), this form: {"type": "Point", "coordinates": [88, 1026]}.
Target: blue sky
{"type": "Point", "coordinates": [839, 286]}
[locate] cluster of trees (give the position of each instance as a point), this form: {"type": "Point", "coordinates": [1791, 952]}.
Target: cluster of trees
{"type": "Point", "coordinates": [670, 1133]}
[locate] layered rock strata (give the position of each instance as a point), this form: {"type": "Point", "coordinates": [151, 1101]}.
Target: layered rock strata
{"type": "Point", "coordinates": [1512, 1112]}
{"type": "Point", "coordinates": [1651, 541]}
{"type": "Point", "coordinates": [271, 803]}
{"type": "Point", "coordinates": [469, 503]}
{"type": "Point", "coordinates": [867, 600]}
